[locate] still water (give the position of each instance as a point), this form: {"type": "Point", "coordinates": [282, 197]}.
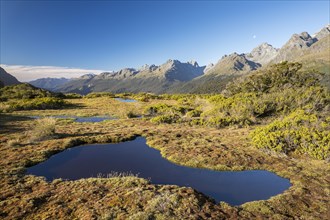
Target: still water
{"type": "Point", "coordinates": [125, 100]}
{"type": "Point", "coordinates": [233, 187]}
{"type": "Point", "coordinates": [78, 119]}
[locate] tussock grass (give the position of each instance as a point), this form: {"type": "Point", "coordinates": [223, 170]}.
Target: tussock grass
{"type": "Point", "coordinates": [117, 196]}
{"type": "Point", "coordinates": [14, 142]}
{"type": "Point", "coordinates": [44, 129]}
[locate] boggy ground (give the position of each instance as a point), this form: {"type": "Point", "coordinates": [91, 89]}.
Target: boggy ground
{"type": "Point", "coordinates": [31, 197]}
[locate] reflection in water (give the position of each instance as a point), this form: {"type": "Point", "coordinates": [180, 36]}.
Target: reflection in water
{"type": "Point", "coordinates": [125, 100]}
{"type": "Point", "coordinates": [79, 119]}
{"type": "Point", "coordinates": [137, 157]}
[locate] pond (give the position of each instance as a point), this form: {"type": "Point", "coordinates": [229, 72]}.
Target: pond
{"type": "Point", "coordinates": [233, 187]}
{"type": "Point", "coordinates": [78, 119]}
{"type": "Point", "coordinates": [125, 100]}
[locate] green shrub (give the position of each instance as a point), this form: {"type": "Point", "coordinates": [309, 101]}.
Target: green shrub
{"type": "Point", "coordinates": [277, 77]}
{"type": "Point", "coordinates": [220, 122]}
{"type": "Point", "coordinates": [194, 113]}
{"type": "Point", "coordinates": [157, 109]}
{"type": "Point", "coordinates": [37, 103]}
{"type": "Point", "coordinates": [25, 91]}
{"type": "Point", "coordinates": [131, 114]}
{"type": "Point", "coordinates": [72, 96]}
{"type": "Point", "coordinates": [144, 97]}
{"type": "Point", "coordinates": [260, 105]}
{"type": "Point", "coordinates": [299, 133]}
{"type": "Point", "coordinates": [99, 94]}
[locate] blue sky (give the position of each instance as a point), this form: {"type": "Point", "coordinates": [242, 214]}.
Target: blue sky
{"type": "Point", "coordinates": [109, 35]}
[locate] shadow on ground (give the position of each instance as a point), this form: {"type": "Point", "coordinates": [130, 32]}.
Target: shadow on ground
{"type": "Point", "coordinates": [8, 125]}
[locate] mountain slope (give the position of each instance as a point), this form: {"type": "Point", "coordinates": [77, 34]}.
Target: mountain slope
{"type": "Point", "coordinates": [156, 79]}
{"type": "Point", "coordinates": [262, 54]}
{"type": "Point", "coordinates": [49, 83]}
{"type": "Point", "coordinates": [7, 79]}
{"type": "Point", "coordinates": [233, 64]}
{"type": "Point", "coordinates": [217, 76]}
{"type": "Point", "coordinates": [314, 52]}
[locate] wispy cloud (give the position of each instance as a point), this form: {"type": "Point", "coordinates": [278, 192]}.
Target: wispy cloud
{"type": "Point", "coordinates": [28, 73]}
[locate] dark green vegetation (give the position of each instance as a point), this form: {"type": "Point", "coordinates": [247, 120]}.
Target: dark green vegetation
{"type": "Point", "coordinates": [275, 119]}
{"type": "Point", "coordinates": [27, 97]}
{"type": "Point", "coordinates": [299, 133]}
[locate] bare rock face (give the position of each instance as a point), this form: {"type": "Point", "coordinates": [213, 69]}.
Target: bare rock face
{"type": "Point", "coordinates": [147, 67]}
{"type": "Point", "coordinates": [302, 40]}
{"type": "Point", "coordinates": [193, 63]}
{"type": "Point", "coordinates": [262, 54]}
{"type": "Point", "coordinates": [174, 70]}
{"type": "Point", "coordinates": [87, 76]}
{"type": "Point", "coordinates": [208, 67]}
{"type": "Point", "coordinates": [233, 64]}
{"type": "Point", "coordinates": [295, 47]}
{"type": "Point", "coordinates": [125, 73]}
{"type": "Point", "coordinates": [324, 32]}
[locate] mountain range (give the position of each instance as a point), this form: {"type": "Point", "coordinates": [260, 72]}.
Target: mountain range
{"type": "Point", "coordinates": [179, 77]}
{"type": "Point", "coordinates": [49, 83]}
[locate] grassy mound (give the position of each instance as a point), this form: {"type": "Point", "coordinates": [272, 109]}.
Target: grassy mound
{"type": "Point", "coordinates": [27, 97]}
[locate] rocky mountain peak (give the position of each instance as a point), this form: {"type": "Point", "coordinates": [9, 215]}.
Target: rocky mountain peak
{"type": "Point", "coordinates": [324, 32]}
{"type": "Point", "coordinates": [87, 76]}
{"type": "Point", "coordinates": [208, 67]}
{"type": "Point", "coordinates": [126, 73]}
{"type": "Point", "coordinates": [302, 40]}
{"type": "Point", "coordinates": [262, 54]}
{"type": "Point", "coordinates": [305, 36]}
{"type": "Point", "coordinates": [147, 67]}
{"type": "Point", "coordinates": [174, 70]}
{"type": "Point", "coordinates": [232, 64]}
{"type": "Point", "coordinates": [295, 47]}
{"type": "Point", "coordinates": [193, 63]}
{"type": "Point", "coordinates": [172, 62]}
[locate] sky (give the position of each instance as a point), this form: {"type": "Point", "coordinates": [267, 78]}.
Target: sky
{"type": "Point", "coordinates": [72, 38]}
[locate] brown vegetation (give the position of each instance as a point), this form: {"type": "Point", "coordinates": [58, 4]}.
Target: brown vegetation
{"type": "Point", "coordinates": [131, 197]}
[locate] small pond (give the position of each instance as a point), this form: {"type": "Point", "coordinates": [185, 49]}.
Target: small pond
{"type": "Point", "coordinates": [78, 119]}
{"type": "Point", "coordinates": [125, 100]}
{"type": "Point", "coordinates": [233, 187]}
